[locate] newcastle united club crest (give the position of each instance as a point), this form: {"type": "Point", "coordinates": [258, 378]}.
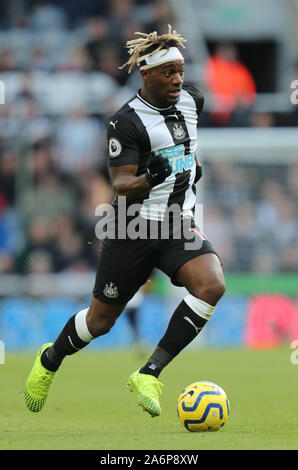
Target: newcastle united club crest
{"type": "Point", "coordinates": [178, 131]}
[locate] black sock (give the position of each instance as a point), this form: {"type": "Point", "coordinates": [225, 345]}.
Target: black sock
{"type": "Point", "coordinates": [67, 343]}
{"type": "Point", "coordinates": [156, 362]}
{"type": "Point", "coordinates": [183, 327]}
{"type": "Point", "coordinates": [50, 360]}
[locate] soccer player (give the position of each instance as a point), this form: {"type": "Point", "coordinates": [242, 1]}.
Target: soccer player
{"type": "Point", "coordinates": [152, 144]}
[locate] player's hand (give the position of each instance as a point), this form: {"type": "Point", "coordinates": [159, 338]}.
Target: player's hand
{"type": "Point", "coordinates": [198, 174]}
{"type": "Point", "coordinates": [158, 169]}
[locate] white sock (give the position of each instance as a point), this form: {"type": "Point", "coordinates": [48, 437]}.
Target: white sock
{"type": "Point", "coordinates": [200, 307]}
{"type": "Point", "coordinates": [81, 326]}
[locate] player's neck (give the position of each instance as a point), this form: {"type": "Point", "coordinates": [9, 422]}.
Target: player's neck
{"type": "Point", "coordinates": [147, 96]}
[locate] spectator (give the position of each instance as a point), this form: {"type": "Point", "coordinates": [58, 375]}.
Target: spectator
{"type": "Point", "coordinates": [264, 260]}
{"type": "Point", "coordinates": [97, 32]}
{"type": "Point", "coordinates": [95, 190]}
{"type": "Point", "coordinates": [267, 218]}
{"type": "Point", "coordinates": [109, 61]}
{"type": "Point", "coordinates": [244, 238]}
{"type": "Point", "coordinates": [7, 263]}
{"type": "Point", "coordinates": [49, 197]}
{"type": "Point", "coordinates": [289, 258]}
{"type": "Point", "coordinates": [39, 262]}
{"type": "Point", "coordinates": [230, 83]}
{"type": "Point", "coordinates": [286, 231]}
{"type": "Point", "coordinates": [11, 240]}
{"type": "Point", "coordinates": [216, 223]}
{"type": "Point", "coordinates": [292, 181]}
{"type": "Point", "coordinates": [77, 60]}
{"type": "Point", "coordinates": [9, 125]}
{"type": "Point", "coordinates": [48, 16]}
{"type": "Point", "coordinates": [78, 142]}
{"type": "Point", "coordinates": [73, 250]}
{"type": "Point", "coordinates": [40, 240]}
{"type": "Point", "coordinates": [39, 60]}
{"type": "Point", "coordinates": [262, 119]}
{"type": "Point", "coordinates": [229, 185]}
{"type": "Point", "coordinates": [25, 91]}
{"type": "Point", "coordinates": [158, 15]}
{"type": "Point", "coordinates": [8, 62]}
{"type": "Point", "coordinates": [8, 164]}
{"type": "Point", "coordinates": [42, 161]}
{"type": "Point", "coordinates": [121, 12]}
{"type": "Point", "coordinates": [11, 234]}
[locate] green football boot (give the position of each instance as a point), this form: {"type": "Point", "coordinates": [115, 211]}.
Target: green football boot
{"type": "Point", "coordinates": [38, 383]}
{"type": "Point", "coordinates": [147, 388]}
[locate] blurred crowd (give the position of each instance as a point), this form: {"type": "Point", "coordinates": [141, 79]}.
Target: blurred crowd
{"type": "Point", "coordinates": [251, 215]}
{"type": "Point", "coordinates": [53, 165]}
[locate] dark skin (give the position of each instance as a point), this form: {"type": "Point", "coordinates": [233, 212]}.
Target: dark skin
{"type": "Point", "coordinates": [202, 276]}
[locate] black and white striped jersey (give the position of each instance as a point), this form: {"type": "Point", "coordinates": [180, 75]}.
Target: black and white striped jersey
{"type": "Point", "coordinates": [139, 128]}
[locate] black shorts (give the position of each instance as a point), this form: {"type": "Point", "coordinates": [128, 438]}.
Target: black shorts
{"type": "Point", "coordinates": [125, 265]}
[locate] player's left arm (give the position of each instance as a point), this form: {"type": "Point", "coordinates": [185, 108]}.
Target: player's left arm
{"type": "Point", "coordinates": [198, 174]}
{"type": "Point", "coordinates": [198, 98]}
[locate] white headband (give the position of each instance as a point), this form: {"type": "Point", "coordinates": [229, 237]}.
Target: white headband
{"type": "Point", "coordinates": [161, 57]}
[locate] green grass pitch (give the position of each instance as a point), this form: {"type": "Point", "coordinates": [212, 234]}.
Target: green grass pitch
{"type": "Point", "coordinates": [89, 406]}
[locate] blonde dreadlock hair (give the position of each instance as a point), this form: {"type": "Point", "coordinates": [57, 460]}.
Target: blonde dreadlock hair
{"type": "Point", "coordinates": [138, 47]}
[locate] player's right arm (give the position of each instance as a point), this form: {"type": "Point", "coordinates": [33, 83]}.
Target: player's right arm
{"type": "Point", "coordinates": [126, 183]}
{"type": "Point", "coordinates": [124, 154]}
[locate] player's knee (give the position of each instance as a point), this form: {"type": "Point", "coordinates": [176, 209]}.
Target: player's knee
{"type": "Point", "coordinates": [219, 289]}
{"type": "Point", "coordinates": [211, 292]}
{"type": "Point", "coordinates": [103, 330]}
{"type": "Point", "coordinates": [100, 324]}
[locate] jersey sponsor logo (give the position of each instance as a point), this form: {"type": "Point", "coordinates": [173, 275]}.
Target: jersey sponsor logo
{"type": "Point", "coordinates": [115, 148]}
{"type": "Point", "coordinates": [178, 161]}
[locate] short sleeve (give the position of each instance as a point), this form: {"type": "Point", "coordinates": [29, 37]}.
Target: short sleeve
{"type": "Point", "coordinates": [122, 135]}
{"type": "Point", "coordinates": [197, 96]}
